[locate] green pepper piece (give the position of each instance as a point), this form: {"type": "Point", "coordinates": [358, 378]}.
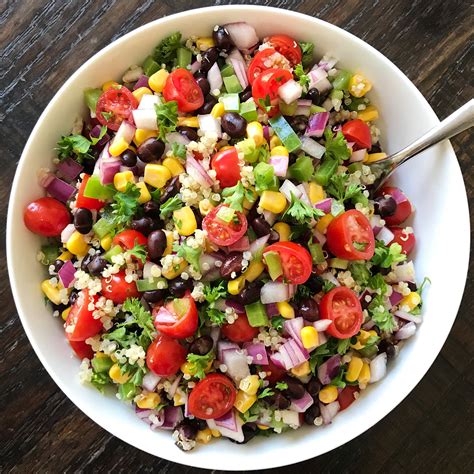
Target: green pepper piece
{"type": "Point", "coordinates": [256, 314]}
{"type": "Point", "coordinates": [232, 84]}
{"type": "Point", "coordinates": [326, 169]}
{"type": "Point", "coordinates": [115, 250]}
{"type": "Point", "coordinates": [94, 189]}
{"type": "Point", "coordinates": [150, 66]}
{"type": "Point", "coordinates": [102, 227]}
{"type": "Point", "coordinates": [184, 57]}
{"type": "Point", "coordinates": [341, 81]}
{"type": "Point", "coordinates": [285, 133]}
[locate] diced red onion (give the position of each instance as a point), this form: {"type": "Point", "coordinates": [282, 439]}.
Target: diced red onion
{"type": "Point", "coordinates": [300, 405]}
{"type": "Point", "coordinates": [378, 367]}
{"type": "Point", "coordinates": [108, 169]}
{"type": "Point", "coordinates": [375, 224]}
{"type": "Point", "coordinates": [290, 91]}
{"type": "Point", "coordinates": [312, 147]}
{"type": "Point", "coordinates": [398, 196]}
{"type": "Point", "coordinates": [408, 317]}
{"type": "Point", "coordinates": [324, 205]}
{"type": "Point", "coordinates": [242, 34]}
{"type": "Point", "coordinates": [407, 331]}
{"type": "Point", "coordinates": [209, 125]}
{"type": "Point", "coordinates": [266, 132]}
{"type": "Point", "coordinates": [95, 133]}
{"type": "Point", "coordinates": [239, 308]}
{"type": "Point", "coordinates": [303, 110]}
{"type": "Point", "coordinates": [195, 66]}
{"type": "Point", "coordinates": [404, 272]}
{"type": "Point", "coordinates": [214, 77]}
{"type": "Point", "coordinates": [67, 232]}
{"type": "Point", "coordinates": [173, 415]}
{"type": "Point", "coordinates": [329, 369]}
{"type": "Point", "coordinates": [321, 238]}
{"type": "Point", "coordinates": [322, 324]}
{"type": "Point", "coordinates": [368, 325]}
{"type": "Point", "coordinates": [291, 290]}
{"type": "Point", "coordinates": [316, 124]}
{"type": "Point", "coordinates": [150, 381]}
{"type": "Point", "coordinates": [237, 365]}
{"type": "Point", "coordinates": [358, 155]}
{"type": "Point", "coordinates": [145, 119]}
{"type": "Point", "coordinates": [241, 245]}
{"type": "Point", "coordinates": [328, 412]}
{"type": "Point", "coordinates": [147, 269]}
{"type": "Point", "coordinates": [229, 425]}
{"type": "Point", "coordinates": [133, 169]}
{"type": "Point", "coordinates": [318, 80]}
{"type": "Point", "coordinates": [258, 352]}
{"type": "Point", "coordinates": [274, 292]}
{"type": "Point", "coordinates": [270, 217]}
{"type": "Point", "coordinates": [290, 417]}
{"type": "Point", "coordinates": [215, 334]}
{"type": "Point", "coordinates": [60, 190]}
{"type": "Point", "coordinates": [327, 104]}
{"type": "Point", "coordinates": [148, 102]}
{"type": "Point", "coordinates": [176, 137]}
{"type": "Point", "coordinates": [292, 354]}
{"type": "Point", "coordinates": [288, 188]}
{"type": "Point", "coordinates": [395, 298]}
{"type": "Point", "coordinates": [66, 274]}
{"type": "Point", "coordinates": [272, 310]}
{"type": "Point", "coordinates": [142, 82]}
{"type": "Point", "coordinates": [293, 328]}
{"type": "Point", "coordinates": [195, 169]}
{"type": "Point", "coordinates": [280, 165]}
{"type": "Point", "coordinates": [126, 131]}
{"type": "Point", "coordinates": [258, 245]}
{"type": "Point", "coordinates": [276, 358]}
{"type": "Point", "coordinates": [240, 70]}
{"type": "Point", "coordinates": [44, 177]}
{"type": "Point", "coordinates": [69, 169]}
{"type": "Point", "coordinates": [304, 195]}
{"type": "Point", "coordinates": [323, 338]}
{"type": "Point", "coordinates": [174, 386]}
{"type": "Point", "coordinates": [223, 346]}
{"type": "Point", "coordinates": [385, 235]}
{"type": "Point", "coordinates": [331, 278]}
{"type": "Point", "coordinates": [163, 316]}
{"type": "Point", "coordinates": [316, 74]}
{"type": "Point", "coordinates": [143, 413]}
{"type": "Point", "coordinates": [327, 64]}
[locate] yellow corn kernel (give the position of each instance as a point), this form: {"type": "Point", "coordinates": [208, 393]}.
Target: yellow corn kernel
{"type": "Point", "coordinates": [316, 193]}
{"type": "Point", "coordinates": [286, 310]}
{"type": "Point", "coordinates": [309, 337]}
{"type": "Point", "coordinates": [175, 270]}
{"type": "Point", "coordinates": [274, 142]}
{"type": "Point", "coordinates": [190, 368]}
{"type": "Point", "coordinates": [117, 376]}
{"type": "Point", "coordinates": [243, 401]}
{"type": "Point", "coordinates": [362, 339]}
{"type": "Point", "coordinates": [273, 201]}
{"type": "Point", "coordinates": [122, 179]}
{"type": "Point", "coordinates": [109, 84]}
{"type": "Point", "coordinates": [369, 114]}
{"type": "Point", "coordinates": [254, 270]}
{"type": "Point", "coordinates": [364, 375]}
{"type": "Point", "coordinates": [218, 110]}
{"type": "Point", "coordinates": [148, 400]}
{"type": "Point", "coordinates": [65, 313]}
{"type": "Point", "coordinates": [205, 207]}
{"type": "Point", "coordinates": [145, 195]}
{"type": "Point", "coordinates": [324, 222]}
{"type": "Point", "coordinates": [192, 122]}
{"type": "Point", "coordinates": [118, 146]}
{"type": "Point", "coordinates": [204, 436]}
{"type": "Point", "coordinates": [234, 287]}
{"type": "Point", "coordinates": [106, 242]}
{"type": "Point", "coordinates": [216, 433]}
{"type": "Point", "coordinates": [284, 231]}
{"type": "Point", "coordinates": [301, 370]}
{"type": "Point", "coordinates": [263, 427]}
{"type": "Point", "coordinates": [65, 256]}
{"type": "Point", "coordinates": [359, 85]}
{"type": "Point", "coordinates": [157, 81]}
{"type": "Point", "coordinates": [76, 244]}
{"type": "Point", "coordinates": [185, 221]}
{"type": "Point", "coordinates": [255, 131]}
{"type": "Point", "coordinates": [179, 398]}
{"type": "Point", "coordinates": [354, 368]}
{"type": "Point", "coordinates": [372, 157]}
{"type": "Point", "coordinates": [328, 394]}
{"type": "Point", "coordinates": [142, 134]}
{"type": "Point", "coordinates": [410, 302]}
{"type": "Point", "coordinates": [246, 204]}
{"type": "Point", "coordinates": [279, 150]}
{"type": "Point", "coordinates": [205, 43]}
{"type": "Point", "coordinates": [140, 92]}
{"type": "Point", "coordinates": [250, 384]}
{"type": "Point", "coordinates": [156, 175]}
{"type": "Point", "coordinates": [51, 291]}
{"type": "Point", "coordinates": [174, 166]}
{"type": "Point", "coordinates": [169, 242]}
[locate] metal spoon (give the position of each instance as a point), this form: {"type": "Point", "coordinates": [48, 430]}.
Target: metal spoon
{"type": "Point", "coordinates": [456, 123]}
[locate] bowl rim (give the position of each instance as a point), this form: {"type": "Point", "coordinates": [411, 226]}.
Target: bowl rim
{"type": "Point", "coordinates": [230, 9]}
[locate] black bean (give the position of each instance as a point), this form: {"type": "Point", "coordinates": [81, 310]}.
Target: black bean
{"type": "Point", "coordinates": [202, 345]}
{"type": "Point", "coordinates": [188, 132]}
{"type": "Point", "coordinates": [156, 245]}
{"type": "Point", "coordinates": [152, 209]}
{"type": "Point", "coordinates": [274, 237]}
{"type": "Point", "coordinates": [313, 387]}
{"type": "Point", "coordinates": [187, 430]}
{"type": "Point", "coordinates": [83, 220]}
{"type": "Point", "coordinates": [144, 225]}
{"type": "Point", "coordinates": [201, 424]}
{"type": "Point", "coordinates": [172, 188]}
{"type": "Point", "coordinates": [89, 166]}
{"type": "Point", "coordinates": [73, 297]}
{"type": "Point", "coordinates": [209, 102]}
{"type": "Point", "coordinates": [314, 95]}
{"type": "Point", "coordinates": [178, 287]}
{"type": "Point", "coordinates": [231, 264]}
{"type": "Point", "coordinates": [376, 148]}
{"type": "Point", "coordinates": [295, 388]}
{"type": "Point", "coordinates": [128, 158]}
{"type": "Point", "coordinates": [208, 58]}
{"type": "Point", "coordinates": [412, 285]}
{"type": "Point", "coordinates": [250, 294]}
{"type": "Point", "coordinates": [85, 261]}
{"type": "Point", "coordinates": [279, 401]}
{"type": "Point", "coordinates": [298, 123]}
{"type": "Point", "coordinates": [308, 309]}
{"type": "Point", "coordinates": [203, 83]}
{"type": "Point", "coordinates": [260, 226]}
{"type": "Point", "coordinates": [246, 94]}
{"type": "Point", "coordinates": [385, 206]}
{"type": "Point", "coordinates": [97, 265]}
{"type": "Point", "coordinates": [222, 39]}
{"type": "Point", "coordinates": [312, 413]}
{"type": "Point", "coordinates": [234, 124]}
{"type": "Point", "coordinates": [151, 150]}
{"type": "Point", "coordinates": [198, 217]}
{"type": "Point", "coordinates": [153, 296]}
{"type": "Point", "coordinates": [387, 347]}
{"type": "Point", "coordinates": [314, 283]}
{"type": "Point", "coordinates": [58, 264]}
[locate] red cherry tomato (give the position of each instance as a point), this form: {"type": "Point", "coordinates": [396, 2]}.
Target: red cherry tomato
{"type": "Point", "coordinates": [403, 210]}
{"type": "Point", "coordinates": [114, 106]}
{"type": "Point", "coordinates": [117, 289]}
{"type": "Point", "coordinates": [80, 323]}
{"type": "Point", "coordinates": [341, 305]}
{"type": "Point", "coordinates": [82, 349]}
{"type": "Point", "coordinates": [346, 397]}
{"type": "Point", "coordinates": [86, 202]}
{"type": "Point", "coordinates": [295, 260]}
{"type": "Point", "coordinates": [350, 236]}
{"type": "Point", "coordinates": [405, 240]}
{"type": "Point", "coordinates": [265, 88]}
{"type": "Point", "coordinates": [165, 356]}
{"type": "Point", "coordinates": [127, 239]}
{"type": "Point", "coordinates": [46, 216]}
{"type": "Point", "coordinates": [286, 46]}
{"type": "Point", "coordinates": [260, 63]}
{"type": "Point", "coordinates": [181, 317]}
{"type": "Point", "coordinates": [212, 397]}
{"type": "Point", "coordinates": [224, 233]}
{"type": "Point", "coordinates": [226, 165]}
{"type": "Point", "coordinates": [274, 373]}
{"type": "Point", "coordinates": [240, 330]}
{"type": "Point", "coordinates": [182, 87]}
{"type": "Point", "coordinates": [359, 132]}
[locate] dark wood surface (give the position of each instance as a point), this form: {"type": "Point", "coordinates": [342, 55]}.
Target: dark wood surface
{"type": "Point", "coordinates": [42, 42]}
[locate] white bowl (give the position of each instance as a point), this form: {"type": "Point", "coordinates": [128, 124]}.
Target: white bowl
{"type": "Point", "coordinates": [433, 182]}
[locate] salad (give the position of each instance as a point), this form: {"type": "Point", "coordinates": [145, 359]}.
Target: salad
{"type": "Point", "coordinates": [212, 245]}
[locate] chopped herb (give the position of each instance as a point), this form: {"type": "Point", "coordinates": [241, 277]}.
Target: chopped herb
{"type": "Point", "coordinates": [277, 322]}
{"type": "Point", "coordinates": [303, 78]}
{"type": "Point", "coordinates": [281, 386]}
{"type": "Point", "coordinates": [155, 195]}
{"type": "Point", "coordinates": [123, 208]}
{"type": "Point", "coordinates": [336, 146]}
{"type": "Point", "coordinates": [138, 251]}
{"type": "Point", "coordinates": [236, 195]}
{"type": "Point", "coordinates": [360, 246]}
{"type": "Point", "coordinates": [423, 284]}
{"type": "Point", "coordinates": [338, 381]}
{"type": "Point", "coordinates": [212, 294]}
{"type": "Point", "coordinates": [267, 392]}
{"type": "Point", "coordinates": [200, 363]}
{"type": "Point", "coordinates": [385, 256]}
{"type": "Point", "coordinates": [307, 52]}
{"type": "Point", "coordinates": [49, 253]}
{"type": "Point", "coordinates": [167, 50]}
{"type": "Point", "coordinates": [217, 317]}
{"type": "Point", "coordinates": [77, 146]}
{"type": "Point", "coordinates": [166, 118]}
{"type": "Point", "coordinates": [190, 254]}
{"type": "Point", "coordinates": [178, 149]}
{"type": "Point", "coordinates": [360, 272]}
{"type": "Point", "coordinates": [300, 212]}
{"type": "Point", "coordinates": [343, 346]}
{"type": "Point", "coordinates": [302, 292]}
{"type": "Point", "coordinates": [265, 177]}
{"type": "Point", "coordinates": [339, 189]}
{"type": "Point", "coordinates": [378, 284]}
{"type": "Point", "coordinates": [380, 315]}
{"type": "Point", "coordinates": [328, 286]}
{"type": "Point", "coordinates": [266, 103]}
{"type": "Point", "coordinates": [172, 204]}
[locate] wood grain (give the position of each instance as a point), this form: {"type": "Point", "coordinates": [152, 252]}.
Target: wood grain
{"type": "Point", "coordinates": [42, 43]}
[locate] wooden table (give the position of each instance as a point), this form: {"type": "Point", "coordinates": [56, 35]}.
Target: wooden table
{"type": "Point", "coordinates": [43, 43]}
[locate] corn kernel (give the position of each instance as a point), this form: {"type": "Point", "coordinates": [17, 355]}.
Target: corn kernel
{"type": "Point", "coordinates": [109, 84]}
{"type": "Point", "coordinates": [216, 433]}
{"type": "Point", "coordinates": [174, 166]}
{"type": "Point", "coordinates": [192, 122]}
{"type": "Point", "coordinates": [148, 401]}
{"type": "Point", "coordinates": [106, 242]}
{"type": "Point", "coordinates": [218, 110]}
{"type": "Point", "coordinates": [362, 339]}
{"type": "Point", "coordinates": [117, 376]}
{"type": "Point", "coordinates": [410, 302]}
{"type": "Point", "coordinates": [122, 179]}
{"type": "Point", "coordinates": [244, 401]}
{"type": "Point", "coordinates": [309, 337]}
{"type": "Point", "coordinates": [274, 142]}
{"type": "Point", "coordinates": [179, 399]}
{"type": "Point", "coordinates": [301, 370]}
{"type": "Point", "coordinates": [373, 157]}
{"type": "Point", "coordinates": [190, 368]}
{"type": "Point", "coordinates": [77, 245]}
{"type": "Point", "coordinates": [156, 175]}
{"type": "Point", "coordinates": [51, 292]}
{"type": "Point", "coordinates": [273, 201]}
{"type": "Point", "coordinates": [145, 195]}
{"type": "Point", "coordinates": [279, 150]}
{"type": "Point", "coordinates": [316, 193]}
{"type": "Point", "coordinates": [140, 92]}
{"type": "Point", "coordinates": [354, 368]}
{"type": "Point", "coordinates": [157, 81]}
{"type": "Point", "coordinates": [286, 310]}
{"type": "Point", "coordinates": [142, 134]}
{"type": "Point", "coordinates": [205, 43]}
{"type": "Point", "coordinates": [369, 114]}
{"type": "Point", "coordinates": [118, 146]}
{"type": "Point", "coordinates": [204, 436]}
{"type": "Point", "coordinates": [263, 427]}
{"type": "Point", "coordinates": [254, 270]}
{"type": "Point", "coordinates": [324, 222]}
{"type": "Point", "coordinates": [169, 243]}
{"type": "Point", "coordinates": [284, 231]}
{"type": "Point", "coordinates": [175, 270]}
{"type": "Point", "coordinates": [65, 313]}
{"type": "Point", "coordinates": [255, 131]}
{"type": "Point", "coordinates": [359, 85]}
{"type": "Point", "coordinates": [65, 256]}
{"type": "Point", "coordinates": [205, 207]}
{"type": "Point", "coordinates": [234, 287]}
{"type": "Point", "coordinates": [328, 394]}
{"type": "Point", "coordinates": [364, 376]}
{"type": "Point", "coordinates": [185, 221]}
{"type": "Point", "coordinates": [250, 384]}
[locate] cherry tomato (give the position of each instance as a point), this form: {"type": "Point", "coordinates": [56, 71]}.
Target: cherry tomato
{"type": "Point", "coordinates": [346, 397]}
{"type": "Point", "coordinates": [286, 46]}
{"type": "Point", "coordinates": [82, 349]}
{"type": "Point", "coordinates": [341, 305]}
{"type": "Point", "coordinates": [88, 203]}
{"type": "Point", "coordinates": [165, 356]}
{"type": "Point", "coordinates": [80, 323]}
{"type": "Point", "coordinates": [182, 87]}
{"type": "Point", "coordinates": [295, 260]}
{"type": "Point", "coordinates": [46, 216]}
{"type": "Point", "coordinates": [258, 63]}
{"type": "Point", "coordinates": [350, 236]}
{"type": "Point", "coordinates": [226, 165]}
{"type": "Point", "coordinates": [240, 330]}
{"type": "Point", "coordinates": [404, 209]}
{"type": "Point", "coordinates": [274, 373]}
{"type": "Point", "coordinates": [405, 240]}
{"type": "Point", "coordinates": [224, 233]}
{"type": "Point", "coordinates": [117, 289]}
{"type": "Point", "coordinates": [127, 239]}
{"type": "Point", "coordinates": [182, 317]}
{"type": "Point", "coordinates": [265, 88]}
{"type": "Point", "coordinates": [114, 106]}
{"type": "Point", "coordinates": [359, 132]}
{"type": "Point", "coordinates": [212, 397]}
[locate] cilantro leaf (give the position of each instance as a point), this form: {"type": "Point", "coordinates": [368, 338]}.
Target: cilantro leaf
{"type": "Point", "coordinates": [212, 294]}
{"type": "Point", "coordinates": [166, 118]}
{"type": "Point", "coordinates": [339, 189]}
{"type": "Point", "coordinates": [307, 52]}
{"type": "Point", "coordinates": [236, 195]}
{"type": "Point", "coordinates": [281, 385]}
{"type": "Point", "coordinates": [217, 317]}
{"type": "Point", "coordinates": [378, 284]}
{"type": "Point", "coordinates": [178, 149]}
{"type": "Point", "coordinates": [343, 346]}
{"type": "Point", "coordinates": [338, 381]}
{"type": "Point", "coordinates": [138, 251]}
{"type": "Point", "coordinates": [78, 146]}
{"type": "Point", "coordinates": [380, 315]}
{"type": "Point", "coordinates": [300, 212]}
{"type": "Point", "coordinates": [266, 103]}
{"type": "Point", "coordinates": [124, 206]}
{"type": "Point", "coordinates": [336, 146]}
{"type": "Point", "coordinates": [190, 254]}
{"type": "Point", "coordinates": [303, 78]}
{"type": "Point", "coordinates": [265, 177]}
{"type": "Point", "coordinates": [140, 316]}
{"type": "Point", "coordinates": [385, 256]}
{"type": "Point", "coordinates": [360, 272]}
{"type": "Point", "coordinates": [166, 51]}
{"type": "Point", "coordinates": [200, 363]}
{"type": "Point", "coordinates": [328, 286]}
{"type": "Point", "coordinates": [172, 204]}
{"type": "Point", "coordinates": [277, 322]}
{"type": "Point", "coordinates": [302, 292]}
{"type": "Point", "coordinates": [267, 392]}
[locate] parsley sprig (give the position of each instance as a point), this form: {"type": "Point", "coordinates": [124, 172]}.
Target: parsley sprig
{"type": "Point", "coordinates": [211, 295]}
{"type": "Point", "coordinates": [236, 195]}
{"type": "Point", "coordinates": [385, 256]}
{"type": "Point", "coordinates": [200, 363]}
{"type": "Point", "coordinates": [300, 212]}
{"type": "Point", "coordinates": [78, 146]}
{"type": "Point", "coordinates": [166, 118]}
{"type": "Point", "coordinates": [303, 78]}
{"type": "Point", "coordinates": [124, 206]}
{"type": "Point", "coordinates": [172, 204]}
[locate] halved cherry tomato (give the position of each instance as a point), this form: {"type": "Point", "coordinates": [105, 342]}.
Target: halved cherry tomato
{"type": "Point", "coordinates": [265, 88]}
{"type": "Point", "coordinates": [224, 233]}
{"type": "Point", "coordinates": [178, 318]}
{"type": "Point", "coordinates": [274, 373]}
{"type": "Point", "coordinates": [212, 397]}
{"type": "Point", "coordinates": [82, 349]}
{"type": "Point", "coordinates": [286, 46]}
{"type": "Point", "coordinates": [403, 210]}
{"type": "Point", "coordinates": [346, 397]}
{"type": "Point", "coordinates": [350, 236]}
{"type": "Point", "coordinates": [114, 106]}
{"type": "Point", "coordinates": [80, 323]}
{"type": "Point", "coordinates": [341, 305]}
{"type": "Point", "coordinates": [240, 330]}
{"type": "Point", "coordinates": [359, 132]}
{"type": "Point", "coordinates": [405, 240]}
{"type": "Point", "coordinates": [259, 63]}
{"type": "Point", "coordinates": [88, 203]}
{"type": "Point", "coordinates": [226, 165]}
{"type": "Point", "coordinates": [46, 216]}
{"type": "Point", "coordinates": [127, 239]}
{"type": "Point", "coordinates": [182, 87]}
{"type": "Point", "coordinates": [295, 260]}
{"type": "Point", "coordinates": [117, 289]}
{"type": "Point", "coordinates": [165, 356]}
